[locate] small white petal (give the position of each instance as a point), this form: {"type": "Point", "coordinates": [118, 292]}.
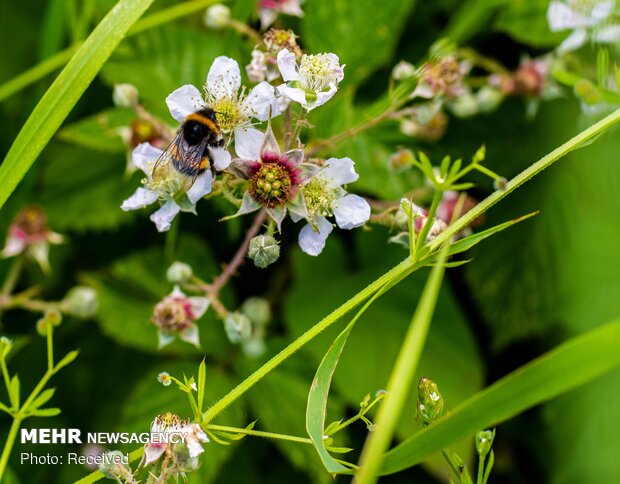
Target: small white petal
{"type": "Point", "coordinates": [339, 171]}
{"type": "Point", "coordinates": [573, 41]}
{"type": "Point", "coordinates": [224, 78]}
{"type": "Point", "coordinates": [561, 17]}
{"type": "Point", "coordinates": [261, 102]}
{"type": "Point", "coordinates": [248, 143]}
{"type": "Point", "coordinates": [165, 215]}
{"type": "Point", "coordinates": [190, 335]}
{"type": "Point", "coordinates": [267, 17]}
{"type": "Point", "coordinates": [194, 448]}
{"type": "Point", "coordinates": [423, 90]}
{"type": "Point", "coordinates": [144, 157]}
{"type": "Point", "coordinates": [294, 93]}
{"type": "Point", "coordinates": [292, 7]}
{"type": "Point", "coordinates": [14, 246]}
{"type": "Point", "coordinates": [202, 186]}
{"type": "Point", "coordinates": [351, 211]}
{"type": "Point", "coordinates": [184, 101]}
{"type": "Point", "coordinates": [40, 253]}
{"type": "Point", "coordinates": [313, 242]}
{"type": "Point", "coordinates": [140, 199]}
{"type": "Point", "coordinates": [152, 452]}
{"type": "Point", "coordinates": [608, 35]}
{"type": "Point", "coordinates": [176, 292]}
{"type": "Point", "coordinates": [221, 158]}
{"type": "Point", "coordinates": [199, 306]}
{"type": "Point", "coordinates": [287, 65]}
{"type": "Point", "coordinates": [602, 10]}
{"type": "Point", "coordinates": [323, 97]}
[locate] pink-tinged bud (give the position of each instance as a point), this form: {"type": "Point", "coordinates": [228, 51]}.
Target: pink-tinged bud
{"type": "Point", "coordinates": [175, 315]}
{"type": "Point", "coordinates": [30, 235]}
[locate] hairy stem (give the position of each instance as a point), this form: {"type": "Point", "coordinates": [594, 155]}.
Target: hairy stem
{"type": "Point", "coordinates": [258, 433]}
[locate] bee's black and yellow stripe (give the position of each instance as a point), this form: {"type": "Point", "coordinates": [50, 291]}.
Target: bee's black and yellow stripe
{"type": "Point", "coordinates": [201, 117]}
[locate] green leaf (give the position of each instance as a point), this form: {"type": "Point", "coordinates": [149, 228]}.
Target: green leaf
{"type": "Point", "coordinates": [573, 363]}
{"type": "Point", "coordinates": [202, 381]}
{"type": "Point", "coordinates": [65, 92]}
{"type": "Point", "coordinates": [69, 357]}
{"type": "Point", "coordinates": [82, 190]}
{"type": "Point", "coordinates": [363, 41]}
{"type": "Point", "coordinates": [42, 399]}
{"type": "Point", "coordinates": [467, 243]}
{"type": "Point", "coordinates": [44, 412]}
{"type": "Point", "coordinates": [100, 132]}
{"type": "Point", "coordinates": [14, 392]}
{"type": "Point", "coordinates": [279, 403]}
{"type": "Point", "coordinates": [526, 21]}
{"type": "Point", "coordinates": [6, 409]}
{"type": "Point", "coordinates": [470, 18]}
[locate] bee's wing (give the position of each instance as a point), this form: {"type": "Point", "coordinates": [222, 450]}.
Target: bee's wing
{"type": "Point", "coordinates": [163, 162]}
{"type": "Point", "coordinates": [189, 157]}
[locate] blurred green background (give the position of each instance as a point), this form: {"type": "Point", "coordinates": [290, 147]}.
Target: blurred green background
{"type": "Point", "coordinates": [526, 290]}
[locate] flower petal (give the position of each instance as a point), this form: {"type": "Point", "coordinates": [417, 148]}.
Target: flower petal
{"type": "Point", "coordinates": [190, 335]}
{"type": "Point", "coordinates": [144, 157]}
{"type": "Point", "coordinates": [202, 186]}
{"type": "Point", "coordinates": [294, 93]}
{"type": "Point", "coordinates": [323, 96]}
{"type": "Point", "coordinates": [287, 64]}
{"type": "Point", "coordinates": [152, 452]}
{"type": "Point", "coordinates": [224, 78]}
{"type": "Point", "coordinates": [14, 246]}
{"type": "Point", "coordinates": [199, 306]}
{"type": "Point", "coordinates": [339, 171]}
{"type": "Point", "coordinates": [311, 241]}
{"type": "Point", "coordinates": [140, 199]}
{"type": "Point", "coordinates": [184, 101]}
{"type": "Point", "coordinates": [351, 211]}
{"type": "Point", "coordinates": [248, 143]}
{"type": "Point", "coordinates": [165, 215]}
{"type": "Point", "coordinates": [573, 41]}
{"type": "Point", "coordinates": [608, 35]}
{"type": "Point", "coordinates": [261, 102]}
{"type": "Point", "coordinates": [221, 158]}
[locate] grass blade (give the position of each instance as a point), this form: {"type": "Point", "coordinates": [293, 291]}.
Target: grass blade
{"type": "Point", "coordinates": [402, 376]}
{"type": "Point", "coordinates": [65, 92]}
{"type": "Point", "coordinates": [573, 363]}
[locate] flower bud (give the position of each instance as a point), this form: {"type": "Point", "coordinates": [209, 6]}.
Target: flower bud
{"type": "Point", "coordinates": [5, 346]}
{"type": "Point", "coordinates": [217, 16]}
{"type": "Point", "coordinates": [113, 467]}
{"type": "Point", "coordinates": [365, 401]}
{"type": "Point", "coordinates": [465, 106]}
{"type": "Point", "coordinates": [403, 70]}
{"type": "Point", "coordinates": [52, 317]}
{"type": "Point", "coordinates": [264, 250]}
{"type": "Point", "coordinates": [484, 441]}
{"type": "Point", "coordinates": [164, 378]}
{"type": "Point", "coordinates": [488, 99]}
{"type": "Point", "coordinates": [254, 347]}
{"type": "Point", "coordinates": [179, 272]}
{"type": "Point", "coordinates": [500, 183]}
{"type": "Point", "coordinates": [430, 401]}
{"type": "Point", "coordinates": [402, 158]}
{"type": "Point", "coordinates": [125, 95]}
{"type": "Point", "coordinates": [587, 91]}
{"type": "Point", "coordinates": [81, 301]}
{"type": "Point", "coordinates": [257, 309]}
{"type": "Point", "coordinates": [238, 327]}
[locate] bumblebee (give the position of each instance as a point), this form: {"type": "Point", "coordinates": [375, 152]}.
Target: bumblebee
{"type": "Point", "coordinates": [190, 150]}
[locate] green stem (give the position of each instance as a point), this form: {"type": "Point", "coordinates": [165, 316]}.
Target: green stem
{"type": "Point", "coordinates": [401, 377]}
{"type": "Point", "coordinates": [5, 375]}
{"type": "Point", "coordinates": [404, 268]}
{"type": "Point", "coordinates": [50, 347]}
{"type": "Point", "coordinates": [259, 433]}
{"type": "Point", "coordinates": [58, 60]}
{"type": "Point", "coordinates": [10, 282]}
{"type": "Point", "coordinates": [525, 176]}
{"type": "Point", "coordinates": [8, 445]}
{"type": "Point", "coordinates": [480, 477]}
